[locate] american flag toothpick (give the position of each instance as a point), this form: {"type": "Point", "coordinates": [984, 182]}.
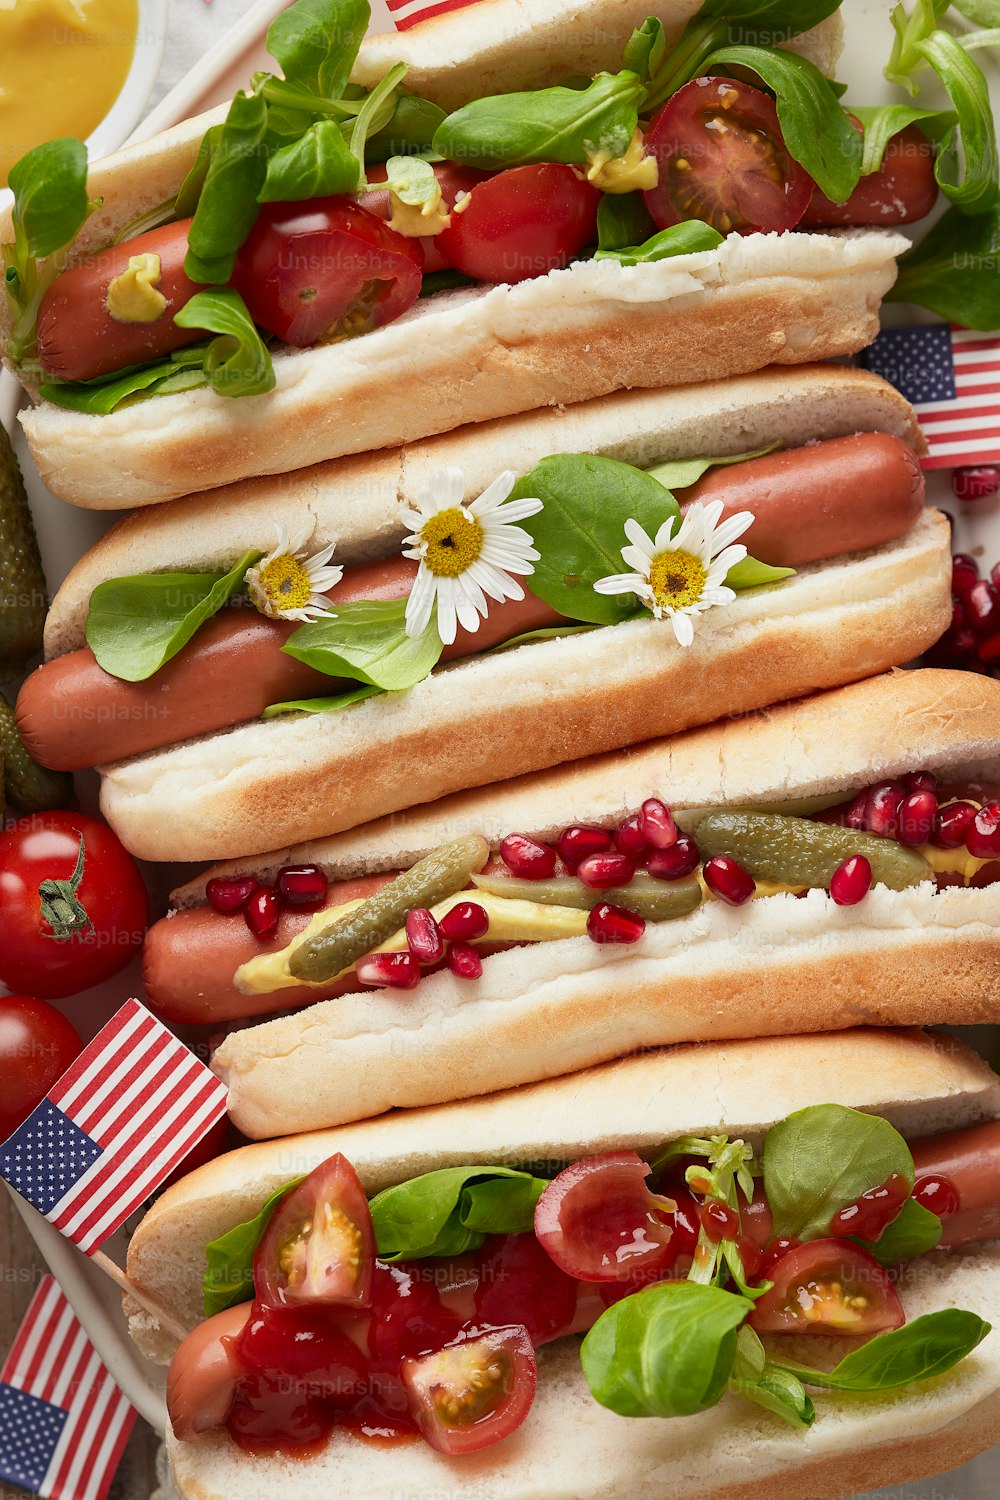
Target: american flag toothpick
{"type": "Point", "coordinates": [951, 376]}
{"type": "Point", "coordinates": [406, 13]}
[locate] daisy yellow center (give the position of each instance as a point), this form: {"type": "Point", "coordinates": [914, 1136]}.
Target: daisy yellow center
{"type": "Point", "coordinates": [286, 583]}
{"type": "Point", "coordinates": [453, 539]}
{"type": "Point", "coordinates": [677, 579]}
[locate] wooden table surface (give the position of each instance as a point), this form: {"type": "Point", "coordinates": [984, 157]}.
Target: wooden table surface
{"type": "Point", "coordinates": [21, 1269]}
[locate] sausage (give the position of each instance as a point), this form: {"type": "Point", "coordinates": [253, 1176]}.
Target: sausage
{"type": "Point", "coordinates": [970, 1159]}
{"type": "Point", "coordinates": [811, 503]}
{"type": "Point", "coordinates": [78, 339]}
{"type": "Point", "coordinates": [73, 715]}
{"type": "Point", "coordinates": [903, 189]}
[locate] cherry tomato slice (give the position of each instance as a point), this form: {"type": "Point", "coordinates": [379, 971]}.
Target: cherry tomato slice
{"type": "Point", "coordinates": [599, 1222]}
{"type": "Point", "coordinates": [37, 1045]}
{"type": "Point", "coordinates": [453, 178]}
{"type": "Point", "coordinates": [56, 941]}
{"type": "Point", "coordinates": [722, 159]}
{"type": "Point", "coordinates": [900, 192]}
{"type": "Point", "coordinates": [828, 1286]}
{"type": "Point", "coordinates": [325, 269]}
{"type": "Point", "coordinates": [521, 223]}
{"type": "Point", "coordinates": [473, 1392]}
{"type": "Point", "coordinates": [319, 1245]}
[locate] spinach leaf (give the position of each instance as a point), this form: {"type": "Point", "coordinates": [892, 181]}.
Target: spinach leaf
{"type": "Point", "coordinates": [821, 1159]}
{"type": "Point", "coordinates": [316, 42]}
{"type": "Point", "coordinates": [550, 125]}
{"type": "Point", "coordinates": [967, 167]}
{"type": "Point", "coordinates": [622, 220]}
{"type": "Point", "coordinates": [546, 633]}
{"type": "Point", "coordinates": [983, 12]}
{"type": "Point", "coordinates": [227, 208]}
{"type": "Point", "coordinates": [646, 49]}
{"type": "Point", "coordinates": [914, 1232]}
{"type": "Point", "coordinates": [814, 124]}
{"type": "Point", "coordinates": [681, 473]}
{"type": "Point", "coordinates": [410, 129]}
{"type": "Point", "coordinates": [751, 574]}
{"type": "Point", "coordinates": [581, 530]}
{"type": "Point", "coordinates": [191, 188]}
{"type": "Point", "coordinates": [668, 1351]}
{"type": "Point", "coordinates": [136, 624]}
{"type": "Point", "coordinates": [236, 363]}
{"type": "Point", "coordinates": [953, 271]}
{"type": "Point", "coordinates": [228, 1278]}
{"type": "Point", "coordinates": [779, 1391]}
{"type": "Point", "coordinates": [452, 1210]}
{"type": "Point", "coordinates": [883, 121]}
{"type": "Point", "coordinates": [679, 239]}
{"type": "Point", "coordinates": [316, 165]}
{"type": "Point", "coordinates": [919, 1350]}
{"type": "Point", "coordinates": [103, 396]}
{"type": "Point", "coordinates": [367, 641]}
{"type": "Point", "coordinates": [321, 705]}
{"type": "Point", "coordinates": [49, 185]}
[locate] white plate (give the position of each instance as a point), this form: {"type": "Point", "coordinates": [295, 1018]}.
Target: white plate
{"type": "Point", "coordinates": [65, 533]}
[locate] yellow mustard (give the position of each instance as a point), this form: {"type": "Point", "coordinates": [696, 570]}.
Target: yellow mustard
{"type": "Point", "coordinates": [132, 296]}
{"type": "Point", "coordinates": [62, 66]}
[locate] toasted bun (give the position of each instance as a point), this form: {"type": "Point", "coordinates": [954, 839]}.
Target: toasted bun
{"type": "Point", "coordinates": [356, 501]}
{"type": "Point", "coordinates": [486, 718]}
{"type": "Point", "coordinates": [776, 966]}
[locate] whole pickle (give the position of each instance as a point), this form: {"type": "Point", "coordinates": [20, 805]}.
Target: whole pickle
{"type": "Point", "coordinates": [30, 786]}
{"type": "Point", "coordinates": [22, 582]}
{"type": "Point", "coordinates": [794, 851]}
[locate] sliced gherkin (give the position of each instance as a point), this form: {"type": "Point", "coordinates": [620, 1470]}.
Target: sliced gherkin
{"type": "Point", "coordinates": [795, 851]}
{"type": "Point", "coordinates": [656, 900]}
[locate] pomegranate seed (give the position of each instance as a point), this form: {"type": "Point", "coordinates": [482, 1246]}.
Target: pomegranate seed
{"type": "Point", "coordinates": [981, 606]}
{"type": "Point", "coordinates": [599, 872]}
{"type": "Point", "coordinates": [953, 824]}
{"type": "Point", "coordinates": [917, 817]}
{"type": "Point", "coordinates": [574, 844]}
{"type": "Point", "coordinates": [229, 894]}
{"type": "Point", "coordinates": [975, 483]}
{"type": "Point", "coordinates": [389, 971]}
{"type": "Point", "coordinates": [676, 862]}
{"type": "Point", "coordinates": [719, 1221]}
{"type": "Point", "coordinates": [728, 880]}
{"type": "Point", "coordinates": [614, 924]}
{"type": "Point", "coordinates": [302, 885]}
{"type": "Point", "coordinates": [989, 650]}
{"type": "Point", "coordinates": [261, 913]}
{"type": "Point", "coordinates": [964, 575]}
{"type": "Point", "coordinates": [857, 814]}
{"type": "Point", "coordinates": [983, 837]}
{"type": "Point", "coordinates": [995, 575]}
{"type": "Point", "coordinates": [466, 920]}
{"type": "Point", "coordinates": [939, 1194]}
{"type": "Point", "coordinates": [921, 781]}
{"type": "Point", "coordinates": [424, 936]}
{"type": "Point", "coordinates": [882, 811]}
{"type": "Point", "coordinates": [464, 961]}
{"type": "Point", "coordinates": [527, 857]}
{"type": "Point", "coordinates": [851, 881]}
{"type": "Point", "coordinates": [958, 615]}
{"type": "Point", "coordinates": [658, 824]}
{"type": "Point", "coordinates": [630, 839]}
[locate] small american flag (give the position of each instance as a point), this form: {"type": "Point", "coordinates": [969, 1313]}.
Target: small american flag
{"type": "Point", "coordinates": [114, 1126]}
{"type": "Point", "coordinates": [951, 376]}
{"type": "Point", "coordinates": [63, 1421]}
{"type": "Point", "coordinates": [407, 13]}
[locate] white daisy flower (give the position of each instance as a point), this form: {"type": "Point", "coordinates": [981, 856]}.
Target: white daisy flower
{"type": "Point", "coordinates": [679, 576]}
{"type": "Point", "coordinates": [467, 553]}
{"type": "Point", "coordinates": [287, 585]}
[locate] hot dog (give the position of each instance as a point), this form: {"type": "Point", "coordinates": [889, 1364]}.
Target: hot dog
{"type": "Point", "coordinates": [545, 323]}
{"type": "Point", "coordinates": [840, 503]}
{"type": "Point", "coordinates": [756, 899]}
{"type": "Point", "coordinates": [571, 1135]}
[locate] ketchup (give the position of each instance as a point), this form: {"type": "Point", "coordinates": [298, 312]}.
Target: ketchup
{"type": "Point", "coordinates": [870, 1216]}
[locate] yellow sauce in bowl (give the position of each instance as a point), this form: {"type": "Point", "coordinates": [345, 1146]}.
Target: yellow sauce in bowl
{"type": "Point", "coordinates": [62, 66]}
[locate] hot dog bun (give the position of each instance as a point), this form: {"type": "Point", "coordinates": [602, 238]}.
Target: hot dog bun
{"type": "Point", "coordinates": [570, 1447]}
{"type": "Point", "coordinates": [778, 965]}
{"type": "Point", "coordinates": [479, 720]}
{"type": "Point", "coordinates": [469, 355]}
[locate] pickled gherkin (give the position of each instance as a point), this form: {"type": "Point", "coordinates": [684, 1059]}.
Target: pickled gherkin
{"type": "Point", "coordinates": [22, 583]}
{"type": "Point", "coordinates": [30, 786]}
{"type": "Point", "coordinates": [794, 851]}
{"type": "Point", "coordinates": [656, 900]}
{"type": "Point", "coordinates": [362, 930]}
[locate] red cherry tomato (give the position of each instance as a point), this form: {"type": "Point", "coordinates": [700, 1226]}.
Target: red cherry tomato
{"type": "Point", "coordinates": [722, 159]}
{"type": "Point", "coordinates": [599, 1221]}
{"type": "Point", "coordinates": [473, 1392]}
{"type": "Point", "coordinates": [37, 1045]}
{"type": "Point", "coordinates": [452, 178]}
{"type": "Point", "coordinates": [73, 908]}
{"type": "Point", "coordinates": [901, 191]}
{"type": "Point", "coordinates": [521, 223]}
{"type": "Point", "coordinates": [828, 1286]}
{"type": "Point", "coordinates": [325, 269]}
{"type": "Point", "coordinates": [319, 1245]}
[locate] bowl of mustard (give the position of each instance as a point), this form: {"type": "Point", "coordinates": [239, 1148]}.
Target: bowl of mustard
{"type": "Point", "coordinates": [75, 67]}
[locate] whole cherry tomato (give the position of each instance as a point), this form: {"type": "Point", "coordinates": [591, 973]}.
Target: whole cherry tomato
{"type": "Point", "coordinates": [37, 1045]}
{"type": "Point", "coordinates": [73, 908]}
{"type": "Point", "coordinates": [453, 178]}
